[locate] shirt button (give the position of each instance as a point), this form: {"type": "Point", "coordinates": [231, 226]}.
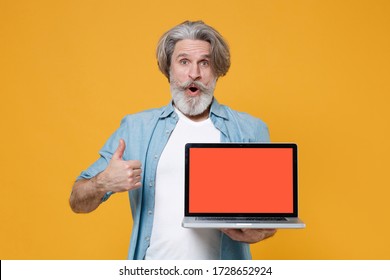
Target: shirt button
{"type": "Point", "coordinates": [155, 156]}
{"type": "Point", "coordinates": [150, 212]}
{"type": "Point", "coordinates": [150, 184]}
{"type": "Point", "coordinates": [167, 131]}
{"type": "Point", "coordinates": [147, 238]}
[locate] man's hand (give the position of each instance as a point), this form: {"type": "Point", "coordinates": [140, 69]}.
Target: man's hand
{"type": "Point", "coordinates": [120, 175]}
{"type": "Point", "coordinates": [248, 235]}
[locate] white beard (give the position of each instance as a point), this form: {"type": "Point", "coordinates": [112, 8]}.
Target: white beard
{"type": "Point", "coordinates": [192, 105]}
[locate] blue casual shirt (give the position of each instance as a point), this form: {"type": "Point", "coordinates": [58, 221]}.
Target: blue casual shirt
{"type": "Point", "coordinates": [146, 135]}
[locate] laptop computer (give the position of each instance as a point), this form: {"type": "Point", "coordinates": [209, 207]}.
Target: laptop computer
{"type": "Point", "coordinates": [241, 185]}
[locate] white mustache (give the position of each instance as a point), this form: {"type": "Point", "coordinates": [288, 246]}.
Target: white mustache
{"type": "Point", "coordinates": [199, 85]}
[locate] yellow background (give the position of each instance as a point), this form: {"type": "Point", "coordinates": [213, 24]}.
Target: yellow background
{"type": "Point", "coordinates": [317, 72]}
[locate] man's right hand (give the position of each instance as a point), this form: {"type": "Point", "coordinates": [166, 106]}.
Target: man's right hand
{"type": "Point", "coordinates": [120, 175]}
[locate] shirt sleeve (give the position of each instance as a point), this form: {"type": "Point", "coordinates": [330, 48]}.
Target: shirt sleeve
{"type": "Point", "coordinates": [264, 133]}
{"type": "Point", "coordinates": [106, 153]}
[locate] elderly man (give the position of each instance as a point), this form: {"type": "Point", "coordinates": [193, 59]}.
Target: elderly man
{"type": "Point", "coordinates": [144, 157]}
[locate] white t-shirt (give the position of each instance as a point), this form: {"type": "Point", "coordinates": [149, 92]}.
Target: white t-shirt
{"type": "Point", "coordinates": [169, 239]}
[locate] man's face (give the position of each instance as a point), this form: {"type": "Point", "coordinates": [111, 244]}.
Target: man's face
{"type": "Point", "coordinates": [192, 79]}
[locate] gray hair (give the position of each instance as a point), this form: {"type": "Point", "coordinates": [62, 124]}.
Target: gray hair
{"type": "Point", "coordinates": [194, 30]}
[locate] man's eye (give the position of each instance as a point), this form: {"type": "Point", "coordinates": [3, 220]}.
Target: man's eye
{"type": "Point", "coordinates": [184, 62]}
{"type": "Point", "coordinates": [204, 63]}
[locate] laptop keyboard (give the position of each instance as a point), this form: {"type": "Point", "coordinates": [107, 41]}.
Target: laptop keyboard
{"type": "Point", "coordinates": [260, 219]}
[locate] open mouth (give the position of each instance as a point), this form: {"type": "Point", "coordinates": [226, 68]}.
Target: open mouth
{"type": "Point", "coordinates": [193, 89]}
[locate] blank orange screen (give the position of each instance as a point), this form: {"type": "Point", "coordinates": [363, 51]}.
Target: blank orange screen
{"type": "Point", "coordinates": [240, 180]}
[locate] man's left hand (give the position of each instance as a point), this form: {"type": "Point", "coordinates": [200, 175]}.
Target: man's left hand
{"type": "Point", "coordinates": [249, 235]}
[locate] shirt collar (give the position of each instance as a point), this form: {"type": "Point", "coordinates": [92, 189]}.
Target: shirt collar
{"type": "Point", "coordinates": [218, 110]}
{"type": "Point", "coordinates": [168, 110]}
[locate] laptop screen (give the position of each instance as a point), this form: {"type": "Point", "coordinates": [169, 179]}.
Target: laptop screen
{"type": "Point", "coordinates": [241, 179]}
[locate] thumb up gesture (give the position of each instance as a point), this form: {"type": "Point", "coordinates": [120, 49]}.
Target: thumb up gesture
{"type": "Point", "coordinates": [121, 175]}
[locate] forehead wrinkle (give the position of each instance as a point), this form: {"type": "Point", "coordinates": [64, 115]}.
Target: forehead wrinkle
{"type": "Point", "coordinates": [187, 55]}
{"type": "Point", "coordinates": [192, 49]}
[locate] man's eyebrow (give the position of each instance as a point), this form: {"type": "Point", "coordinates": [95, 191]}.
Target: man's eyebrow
{"type": "Point", "coordinates": [182, 55]}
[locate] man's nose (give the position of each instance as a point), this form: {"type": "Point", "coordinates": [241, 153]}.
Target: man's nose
{"type": "Point", "coordinates": [194, 73]}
